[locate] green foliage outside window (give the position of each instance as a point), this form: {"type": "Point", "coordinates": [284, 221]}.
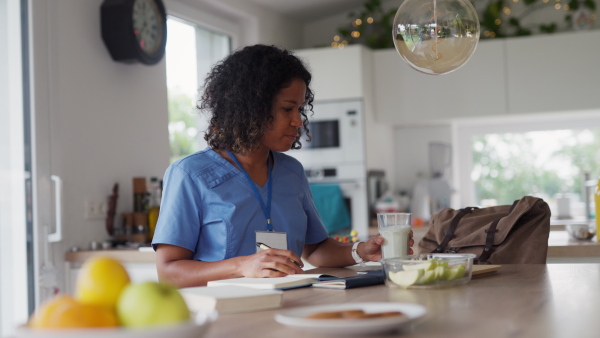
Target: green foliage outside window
{"type": "Point", "coordinates": [507, 167]}
{"type": "Point", "coordinates": [183, 132]}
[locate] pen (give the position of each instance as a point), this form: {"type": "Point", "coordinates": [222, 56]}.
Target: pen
{"type": "Point", "coordinates": [263, 246]}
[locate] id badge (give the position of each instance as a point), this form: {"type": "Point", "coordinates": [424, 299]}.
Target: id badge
{"type": "Point", "coordinates": [275, 240]}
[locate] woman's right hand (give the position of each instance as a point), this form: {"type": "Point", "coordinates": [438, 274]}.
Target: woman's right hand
{"type": "Point", "coordinates": [271, 263]}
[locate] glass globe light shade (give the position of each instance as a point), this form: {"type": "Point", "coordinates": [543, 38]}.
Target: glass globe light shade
{"type": "Point", "coordinates": [436, 36]}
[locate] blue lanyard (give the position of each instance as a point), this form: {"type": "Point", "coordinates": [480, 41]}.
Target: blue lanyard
{"type": "Point", "coordinates": [266, 208]}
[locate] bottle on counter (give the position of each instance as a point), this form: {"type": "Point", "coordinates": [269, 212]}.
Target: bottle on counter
{"type": "Point", "coordinates": [140, 191]}
{"type": "Point", "coordinates": [154, 207]}
{"type": "Point", "coordinates": [140, 228]}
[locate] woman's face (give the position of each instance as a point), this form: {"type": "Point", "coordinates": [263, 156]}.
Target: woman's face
{"type": "Point", "coordinates": [284, 130]}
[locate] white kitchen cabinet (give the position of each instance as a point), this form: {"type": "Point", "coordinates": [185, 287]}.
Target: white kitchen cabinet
{"type": "Point", "coordinates": [338, 74]}
{"type": "Point", "coordinates": [404, 96]}
{"type": "Point", "coordinates": [557, 72]}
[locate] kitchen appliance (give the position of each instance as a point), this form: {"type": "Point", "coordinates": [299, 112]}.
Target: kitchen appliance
{"type": "Point", "coordinates": [432, 194]}
{"type": "Point", "coordinates": [337, 131]}
{"type": "Point", "coordinates": [336, 155]}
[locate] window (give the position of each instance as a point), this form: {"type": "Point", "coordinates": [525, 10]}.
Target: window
{"type": "Point", "coordinates": [551, 159]}
{"type": "Point", "coordinates": [191, 52]}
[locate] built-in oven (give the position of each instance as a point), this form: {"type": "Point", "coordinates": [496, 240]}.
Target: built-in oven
{"type": "Point", "coordinates": [336, 155]}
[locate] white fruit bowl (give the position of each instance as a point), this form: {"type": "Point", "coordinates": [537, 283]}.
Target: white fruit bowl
{"type": "Point", "coordinates": [194, 328]}
{"type": "Point", "coordinates": [428, 271]}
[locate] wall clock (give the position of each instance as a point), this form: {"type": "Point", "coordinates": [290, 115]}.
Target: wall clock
{"type": "Point", "coordinates": [134, 30]}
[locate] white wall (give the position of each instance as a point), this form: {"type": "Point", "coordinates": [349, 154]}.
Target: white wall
{"type": "Point", "coordinates": [253, 24]}
{"type": "Point", "coordinates": [412, 152]}
{"type": "Point", "coordinates": [99, 122]}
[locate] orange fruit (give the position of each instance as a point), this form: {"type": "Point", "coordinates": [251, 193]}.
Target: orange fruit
{"type": "Point", "coordinates": [100, 282]}
{"type": "Point", "coordinates": [64, 311]}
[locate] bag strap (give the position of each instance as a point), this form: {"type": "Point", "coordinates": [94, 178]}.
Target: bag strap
{"type": "Point", "coordinates": [453, 224]}
{"type": "Point", "coordinates": [491, 232]}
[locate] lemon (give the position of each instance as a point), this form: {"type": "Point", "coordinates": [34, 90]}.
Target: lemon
{"type": "Point", "coordinates": [63, 311]}
{"type": "Point", "coordinates": [100, 282]}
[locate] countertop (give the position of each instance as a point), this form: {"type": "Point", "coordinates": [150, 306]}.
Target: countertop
{"type": "Point", "coordinates": [559, 245]}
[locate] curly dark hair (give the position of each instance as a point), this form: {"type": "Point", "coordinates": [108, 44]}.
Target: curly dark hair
{"type": "Point", "coordinates": [239, 92]}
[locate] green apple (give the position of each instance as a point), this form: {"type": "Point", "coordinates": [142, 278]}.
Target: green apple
{"type": "Point", "coordinates": [428, 265]}
{"type": "Point", "coordinates": [428, 277]}
{"type": "Point", "coordinates": [456, 272]}
{"type": "Point", "coordinates": [151, 304]}
{"type": "Point", "coordinates": [406, 278]}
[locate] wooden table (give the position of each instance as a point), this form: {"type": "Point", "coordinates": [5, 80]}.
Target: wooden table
{"type": "Point", "coordinates": [556, 300]}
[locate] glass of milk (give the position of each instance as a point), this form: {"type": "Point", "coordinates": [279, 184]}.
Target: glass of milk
{"type": "Point", "coordinates": [395, 230]}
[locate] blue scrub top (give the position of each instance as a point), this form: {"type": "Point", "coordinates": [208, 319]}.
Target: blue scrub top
{"type": "Point", "coordinates": [208, 207]}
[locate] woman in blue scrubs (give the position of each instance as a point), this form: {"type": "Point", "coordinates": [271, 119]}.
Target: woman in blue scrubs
{"type": "Point", "coordinates": [219, 202]}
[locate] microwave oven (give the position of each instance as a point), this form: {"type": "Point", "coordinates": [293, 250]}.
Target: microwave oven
{"type": "Point", "coordinates": [337, 133]}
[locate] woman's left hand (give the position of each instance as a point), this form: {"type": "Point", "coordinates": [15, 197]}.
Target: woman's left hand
{"type": "Point", "coordinates": [371, 249]}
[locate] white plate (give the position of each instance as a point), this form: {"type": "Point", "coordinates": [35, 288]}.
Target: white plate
{"type": "Point", "coordinates": [297, 318]}
{"type": "Point", "coordinates": [195, 328]}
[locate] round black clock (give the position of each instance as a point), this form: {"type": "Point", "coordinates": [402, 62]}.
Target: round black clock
{"type": "Point", "coordinates": [134, 30]}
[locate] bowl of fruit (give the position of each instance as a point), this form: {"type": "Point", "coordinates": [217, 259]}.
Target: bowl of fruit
{"type": "Point", "coordinates": [107, 304]}
{"type": "Point", "coordinates": [428, 271]}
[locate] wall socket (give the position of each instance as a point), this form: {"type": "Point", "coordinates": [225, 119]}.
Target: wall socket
{"type": "Point", "coordinates": [95, 208]}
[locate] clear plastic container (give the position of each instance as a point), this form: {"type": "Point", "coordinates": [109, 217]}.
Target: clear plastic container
{"type": "Point", "coordinates": [428, 271]}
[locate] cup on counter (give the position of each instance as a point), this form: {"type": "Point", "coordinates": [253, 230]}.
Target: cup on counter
{"type": "Point", "coordinates": [395, 230]}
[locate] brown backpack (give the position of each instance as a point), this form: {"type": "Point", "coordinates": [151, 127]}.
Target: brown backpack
{"type": "Point", "coordinates": [504, 234]}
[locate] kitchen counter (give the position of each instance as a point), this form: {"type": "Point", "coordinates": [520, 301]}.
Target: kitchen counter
{"type": "Point", "coordinates": [561, 249]}
{"type": "Point", "coordinates": [123, 255]}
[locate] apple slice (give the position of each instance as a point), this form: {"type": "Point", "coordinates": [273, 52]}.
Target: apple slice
{"type": "Point", "coordinates": [428, 277]}
{"type": "Point", "coordinates": [406, 278]}
{"type": "Point", "coordinates": [456, 272]}
{"type": "Point", "coordinates": [427, 265]}
{"type": "Point", "coordinates": [442, 272]}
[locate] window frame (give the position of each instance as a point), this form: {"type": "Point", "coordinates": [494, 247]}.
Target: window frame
{"type": "Point", "coordinates": [463, 130]}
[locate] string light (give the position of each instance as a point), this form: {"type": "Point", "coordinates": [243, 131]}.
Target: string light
{"type": "Point", "coordinates": [358, 22]}
{"type": "Point", "coordinates": [336, 38]}
{"type": "Point", "coordinates": [498, 22]}
{"type": "Point", "coordinates": [355, 34]}
{"type": "Point", "coordinates": [369, 20]}
{"type": "Point", "coordinates": [506, 10]}
{"type": "Point", "coordinates": [557, 6]}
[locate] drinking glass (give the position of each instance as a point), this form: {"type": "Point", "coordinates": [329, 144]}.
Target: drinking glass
{"type": "Point", "coordinates": [395, 230]}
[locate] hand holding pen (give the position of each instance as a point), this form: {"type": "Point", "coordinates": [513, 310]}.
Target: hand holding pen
{"type": "Point", "coordinates": [271, 262]}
